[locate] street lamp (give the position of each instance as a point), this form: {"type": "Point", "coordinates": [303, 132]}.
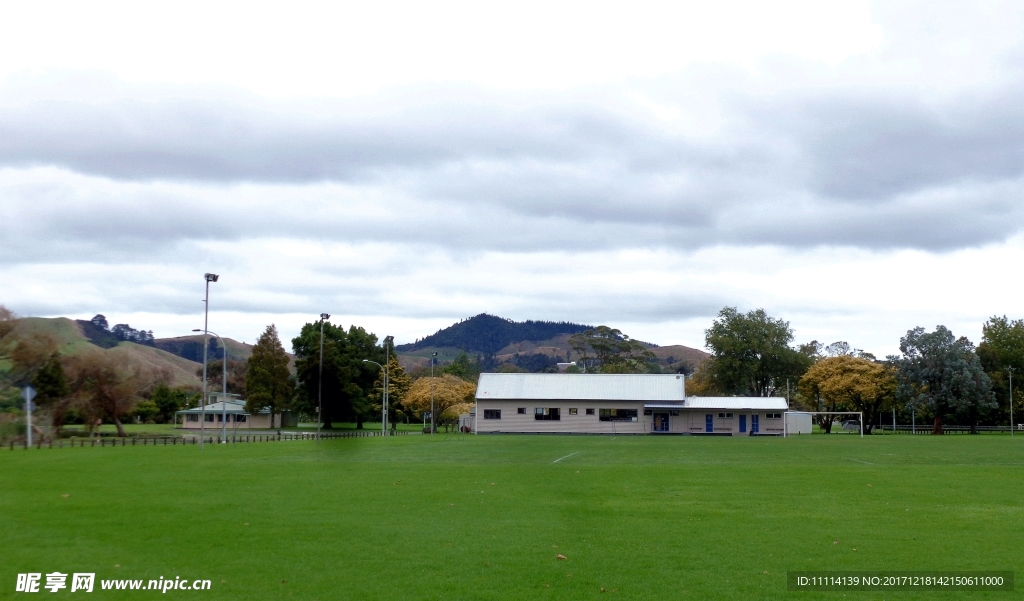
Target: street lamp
{"type": "Point", "coordinates": [210, 277]}
{"type": "Point", "coordinates": [383, 400]}
{"type": "Point", "coordinates": [320, 381]}
{"type": "Point", "coordinates": [388, 341]}
{"type": "Point", "coordinates": [224, 397]}
{"type": "Point", "coordinates": [433, 360]}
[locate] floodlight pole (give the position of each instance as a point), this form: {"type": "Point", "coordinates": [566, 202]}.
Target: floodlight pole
{"type": "Point", "coordinates": [433, 360]}
{"type": "Point", "coordinates": [388, 340]}
{"type": "Point", "coordinates": [319, 381]}
{"type": "Point", "coordinates": [210, 277]}
{"type": "Point", "coordinates": [383, 403]}
{"type": "Point", "coordinates": [223, 405]}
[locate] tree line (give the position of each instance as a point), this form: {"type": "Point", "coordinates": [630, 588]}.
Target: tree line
{"type": "Point", "coordinates": [93, 386]}
{"type": "Point", "coordinates": [937, 375]}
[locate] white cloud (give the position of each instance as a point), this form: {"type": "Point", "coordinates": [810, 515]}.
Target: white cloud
{"type": "Point", "coordinates": [855, 168]}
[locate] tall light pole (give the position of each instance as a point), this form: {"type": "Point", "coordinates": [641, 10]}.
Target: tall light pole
{"type": "Point", "coordinates": [320, 381]}
{"type": "Point", "coordinates": [224, 394]}
{"type": "Point", "coordinates": [210, 277]}
{"type": "Point", "coordinates": [383, 400]}
{"type": "Point", "coordinates": [433, 360]}
{"type": "Point", "coordinates": [387, 382]}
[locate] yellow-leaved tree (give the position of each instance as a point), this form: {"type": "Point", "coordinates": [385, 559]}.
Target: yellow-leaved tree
{"type": "Point", "coordinates": [451, 396]}
{"type": "Point", "coordinates": [849, 383]}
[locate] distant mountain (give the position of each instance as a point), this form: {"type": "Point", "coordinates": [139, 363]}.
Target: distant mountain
{"type": "Point", "coordinates": [489, 334]}
{"type": "Point", "coordinates": [535, 346]}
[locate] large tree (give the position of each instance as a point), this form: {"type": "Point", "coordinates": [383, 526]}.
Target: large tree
{"type": "Point", "coordinates": [751, 353]}
{"type": "Point", "coordinates": [347, 380]}
{"type": "Point", "coordinates": [451, 396]}
{"type": "Point", "coordinates": [848, 383]}
{"type": "Point", "coordinates": [53, 392]}
{"type": "Point", "coordinates": [943, 374]}
{"type": "Point", "coordinates": [398, 387]}
{"type": "Point", "coordinates": [611, 351]}
{"type": "Point", "coordinates": [109, 387]}
{"type": "Point", "coordinates": [1001, 350]}
{"type": "Point", "coordinates": [268, 382]}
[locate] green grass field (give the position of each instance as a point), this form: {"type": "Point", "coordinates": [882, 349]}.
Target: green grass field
{"type": "Point", "coordinates": [464, 517]}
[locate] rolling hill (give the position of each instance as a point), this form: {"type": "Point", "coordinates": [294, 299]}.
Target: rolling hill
{"type": "Point", "coordinates": [72, 341]}
{"type": "Point", "coordinates": [532, 345]}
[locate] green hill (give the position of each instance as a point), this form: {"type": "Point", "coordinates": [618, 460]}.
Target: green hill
{"type": "Point", "coordinates": [489, 334]}
{"type": "Point", "coordinates": [531, 345]}
{"type": "Point", "coordinates": [72, 341]}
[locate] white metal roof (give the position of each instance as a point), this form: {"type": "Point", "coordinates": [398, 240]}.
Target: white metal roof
{"type": "Point", "coordinates": [237, 406]}
{"type": "Point", "coordinates": [582, 387]}
{"type": "Point", "coordinates": [736, 402]}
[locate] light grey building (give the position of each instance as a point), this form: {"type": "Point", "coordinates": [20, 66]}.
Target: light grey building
{"type": "Point", "coordinates": [616, 404]}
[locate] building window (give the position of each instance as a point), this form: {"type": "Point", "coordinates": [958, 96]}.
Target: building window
{"type": "Point", "coordinates": [773, 416]}
{"type": "Point", "coordinates": [674, 412]}
{"type": "Point", "coordinates": [192, 418]}
{"type": "Point", "coordinates": [547, 413]}
{"type": "Point", "coordinates": [492, 413]}
{"type": "Point", "coordinates": [618, 415]}
{"type": "Point", "coordinates": [648, 411]}
{"type": "Point", "coordinates": [590, 412]}
{"type": "Point", "coordinates": [209, 417]}
{"type": "Point", "coordinates": [572, 411]}
{"type": "Point", "coordinates": [725, 415]}
{"type": "Point", "coordinates": [521, 411]}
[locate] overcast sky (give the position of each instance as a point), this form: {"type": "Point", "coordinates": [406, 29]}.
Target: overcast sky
{"type": "Point", "coordinates": [854, 168]}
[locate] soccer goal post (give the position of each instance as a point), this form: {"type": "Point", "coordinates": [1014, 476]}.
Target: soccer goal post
{"type": "Point", "coordinates": [859, 414]}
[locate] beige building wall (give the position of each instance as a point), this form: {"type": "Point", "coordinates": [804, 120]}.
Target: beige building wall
{"type": "Point", "coordinates": [512, 421]}
{"type": "Point", "coordinates": [688, 420]}
{"type": "Point", "coordinates": [253, 422]}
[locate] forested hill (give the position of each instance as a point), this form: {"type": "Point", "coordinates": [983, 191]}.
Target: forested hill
{"type": "Point", "coordinates": [489, 334]}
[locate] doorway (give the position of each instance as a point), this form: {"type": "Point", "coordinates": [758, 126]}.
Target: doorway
{"type": "Point", "coordinates": [743, 424]}
{"type": "Point", "coordinates": [660, 422]}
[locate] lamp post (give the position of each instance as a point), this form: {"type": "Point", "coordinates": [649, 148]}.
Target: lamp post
{"type": "Point", "coordinates": [210, 277]}
{"type": "Point", "coordinates": [388, 341]}
{"type": "Point", "coordinates": [383, 399]}
{"type": "Point", "coordinates": [223, 398]}
{"type": "Point", "coordinates": [320, 381]}
{"type": "Point", "coordinates": [433, 423]}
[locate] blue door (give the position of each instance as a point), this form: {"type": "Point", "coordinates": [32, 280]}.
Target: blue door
{"type": "Point", "coordinates": [743, 423]}
{"type": "Point", "coordinates": [709, 423]}
{"type": "Point", "coordinates": [753, 424]}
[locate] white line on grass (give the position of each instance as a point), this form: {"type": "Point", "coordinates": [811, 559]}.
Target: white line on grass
{"type": "Point", "coordinates": [566, 457]}
{"type": "Point", "coordinates": [861, 461]}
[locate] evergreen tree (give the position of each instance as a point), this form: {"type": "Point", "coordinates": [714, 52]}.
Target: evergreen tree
{"type": "Point", "coordinates": [268, 383]}
{"type": "Point", "coordinates": [943, 374]}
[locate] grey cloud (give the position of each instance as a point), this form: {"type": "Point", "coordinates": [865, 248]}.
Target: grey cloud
{"type": "Point", "coordinates": [873, 148]}
{"type": "Point", "coordinates": [469, 177]}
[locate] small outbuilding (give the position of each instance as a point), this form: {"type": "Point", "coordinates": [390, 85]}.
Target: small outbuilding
{"type": "Point", "coordinates": [232, 410]}
{"type": "Point", "coordinates": [616, 404]}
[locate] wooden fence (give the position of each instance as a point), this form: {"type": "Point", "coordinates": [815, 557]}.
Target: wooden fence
{"type": "Point", "coordinates": [142, 441]}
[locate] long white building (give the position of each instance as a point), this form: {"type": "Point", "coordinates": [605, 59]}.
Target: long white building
{"type": "Point", "coordinates": [616, 404]}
